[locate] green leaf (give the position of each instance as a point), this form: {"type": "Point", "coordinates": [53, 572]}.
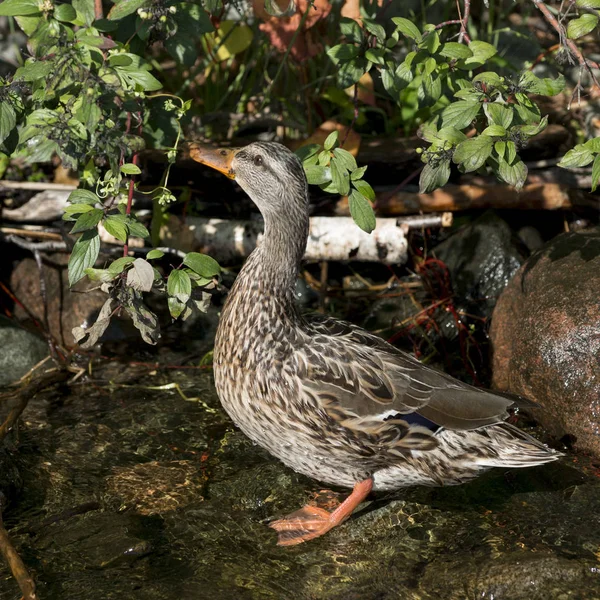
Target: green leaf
{"type": "Point", "coordinates": [455, 50]}
{"type": "Point", "coordinates": [434, 176]}
{"type": "Point", "coordinates": [76, 209]}
{"type": "Point", "coordinates": [375, 55]}
{"type": "Point", "coordinates": [595, 173]}
{"type": "Point", "coordinates": [358, 173]}
{"type": "Point", "coordinates": [489, 78]}
{"type": "Point", "coordinates": [17, 8]}
{"type": "Point", "coordinates": [482, 51]}
{"type": "Point", "coordinates": [122, 8]}
{"type": "Point", "coordinates": [136, 229]}
{"type": "Point", "coordinates": [430, 42]}
{"type": "Point", "coordinates": [8, 119]}
{"type": "Point", "coordinates": [365, 189]}
{"type": "Point", "coordinates": [202, 264]}
{"type": "Point", "coordinates": [119, 264]}
{"type": "Point", "coordinates": [579, 156]}
{"type": "Point", "coordinates": [146, 80]}
{"type": "Point", "coordinates": [130, 169]}
{"type": "Point", "coordinates": [460, 114]}
{"type": "Point", "coordinates": [65, 13]}
{"type": "Point", "coordinates": [339, 178]}
{"type": "Point", "coordinates": [317, 175]}
{"type": "Point", "coordinates": [83, 196]}
{"type": "Point", "coordinates": [593, 4]}
{"type": "Point", "coordinates": [532, 130]}
{"type": "Point", "coordinates": [408, 28]}
{"type": "Point", "coordinates": [451, 135]}
{"type": "Point", "coordinates": [175, 307]}
{"type": "Point", "coordinates": [511, 152]}
{"type": "Point", "coordinates": [343, 52]}
{"type": "Point", "coordinates": [88, 220]}
{"type": "Point", "coordinates": [472, 153]}
{"type": "Point", "coordinates": [191, 22]}
{"type": "Point", "coordinates": [154, 254]}
{"type": "Point", "coordinates": [351, 30]}
{"type": "Point", "coordinates": [116, 227]}
{"type": "Point", "coordinates": [494, 131]}
{"type": "Point", "coordinates": [103, 275]}
{"type": "Point", "coordinates": [350, 72]}
{"type": "Point", "coordinates": [85, 11]}
{"type": "Point", "coordinates": [430, 89]}
{"type": "Point", "coordinates": [374, 29]}
{"type": "Point", "coordinates": [543, 86]}
{"type": "Point", "coordinates": [120, 60]}
{"type": "Point", "coordinates": [582, 26]}
{"type": "Point", "coordinates": [345, 159]}
{"type": "Point", "coordinates": [331, 140]}
{"type": "Point", "coordinates": [307, 151]}
{"type": "Point", "coordinates": [593, 144]}
{"type": "Point", "coordinates": [500, 148]}
{"type": "Point", "coordinates": [498, 114]}
{"type": "Point", "coordinates": [84, 255]}
{"type": "Point", "coordinates": [362, 211]}
{"type": "Point", "coordinates": [179, 285]}
{"type": "Point", "coordinates": [514, 174]}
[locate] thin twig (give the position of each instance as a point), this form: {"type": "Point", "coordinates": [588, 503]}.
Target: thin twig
{"type": "Point", "coordinates": [16, 565]}
{"type": "Point", "coordinates": [32, 233]}
{"type": "Point", "coordinates": [566, 42]}
{"type": "Point", "coordinates": [463, 35]}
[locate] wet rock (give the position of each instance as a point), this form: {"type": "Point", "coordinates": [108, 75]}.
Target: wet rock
{"type": "Point", "coordinates": [157, 488]}
{"type": "Point", "coordinates": [546, 336]}
{"type": "Point", "coordinates": [20, 350]}
{"type": "Point", "coordinates": [482, 258]}
{"type": "Point", "coordinates": [66, 308]}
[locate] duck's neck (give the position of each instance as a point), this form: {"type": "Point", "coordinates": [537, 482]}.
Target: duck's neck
{"type": "Point", "coordinates": [272, 269]}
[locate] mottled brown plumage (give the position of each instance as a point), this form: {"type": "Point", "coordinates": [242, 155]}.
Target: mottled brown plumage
{"type": "Point", "coordinates": [329, 399]}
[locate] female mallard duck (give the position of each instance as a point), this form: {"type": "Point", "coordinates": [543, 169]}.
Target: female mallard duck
{"type": "Point", "coordinates": [329, 399]}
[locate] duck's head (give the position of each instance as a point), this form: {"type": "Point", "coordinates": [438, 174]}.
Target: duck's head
{"type": "Point", "coordinates": [268, 172]}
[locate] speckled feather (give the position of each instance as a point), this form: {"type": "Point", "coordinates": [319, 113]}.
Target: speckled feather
{"type": "Point", "coordinates": [327, 397]}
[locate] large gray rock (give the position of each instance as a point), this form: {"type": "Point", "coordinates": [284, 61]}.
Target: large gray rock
{"type": "Point", "coordinates": [546, 336]}
{"type": "Point", "coordinates": [19, 351]}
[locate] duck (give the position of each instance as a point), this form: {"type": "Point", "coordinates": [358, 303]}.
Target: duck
{"type": "Point", "coordinates": [329, 399]}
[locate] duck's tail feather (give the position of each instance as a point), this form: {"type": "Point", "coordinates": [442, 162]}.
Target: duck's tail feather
{"type": "Point", "coordinates": [516, 449]}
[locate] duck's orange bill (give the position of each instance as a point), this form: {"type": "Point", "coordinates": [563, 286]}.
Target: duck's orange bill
{"type": "Point", "coordinates": [219, 159]}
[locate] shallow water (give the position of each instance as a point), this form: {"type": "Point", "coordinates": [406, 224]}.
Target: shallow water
{"type": "Point", "coordinates": [133, 493]}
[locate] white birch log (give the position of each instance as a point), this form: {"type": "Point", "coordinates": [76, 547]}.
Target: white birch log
{"type": "Point", "coordinates": [330, 238]}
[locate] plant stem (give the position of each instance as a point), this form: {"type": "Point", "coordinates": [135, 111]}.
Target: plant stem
{"type": "Point", "coordinates": [566, 42]}
{"type": "Point", "coordinates": [463, 35]}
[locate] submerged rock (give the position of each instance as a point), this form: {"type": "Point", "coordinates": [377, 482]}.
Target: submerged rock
{"type": "Point", "coordinates": [546, 336]}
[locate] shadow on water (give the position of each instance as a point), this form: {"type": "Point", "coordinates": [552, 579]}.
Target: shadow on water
{"type": "Point", "coordinates": [132, 493]}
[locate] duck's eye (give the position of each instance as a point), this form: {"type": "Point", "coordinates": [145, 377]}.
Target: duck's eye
{"type": "Point", "coordinates": [258, 160]}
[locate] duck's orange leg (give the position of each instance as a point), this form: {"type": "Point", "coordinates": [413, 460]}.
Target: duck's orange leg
{"type": "Point", "coordinates": [311, 522]}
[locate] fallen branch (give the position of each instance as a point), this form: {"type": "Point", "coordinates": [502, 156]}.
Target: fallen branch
{"type": "Point", "coordinates": [539, 196]}
{"type": "Point", "coordinates": [330, 238]}
{"type": "Point", "coordinates": [13, 560]}
{"type": "Point", "coordinates": [24, 394]}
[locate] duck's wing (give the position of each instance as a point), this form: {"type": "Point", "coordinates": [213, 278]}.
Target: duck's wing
{"type": "Point", "coordinates": [359, 376]}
